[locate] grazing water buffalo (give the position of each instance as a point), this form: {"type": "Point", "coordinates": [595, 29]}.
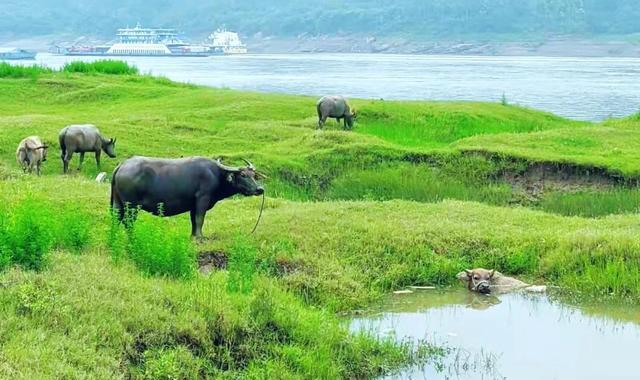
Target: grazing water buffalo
{"type": "Point", "coordinates": [335, 107]}
{"type": "Point", "coordinates": [31, 153]}
{"type": "Point", "coordinates": [82, 139]}
{"type": "Point", "coordinates": [172, 187]}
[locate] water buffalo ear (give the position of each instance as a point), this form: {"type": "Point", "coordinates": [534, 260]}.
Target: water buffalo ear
{"type": "Point", "coordinates": [462, 276]}
{"type": "Point", "coordinates": [492, 273]}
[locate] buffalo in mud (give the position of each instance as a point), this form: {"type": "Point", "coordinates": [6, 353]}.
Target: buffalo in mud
{"type": "Point", "coordinates": [335, 107]}
{"type": "Point", "coordinates": [170, 187]}
{"type": "Point", "coordinates": [31, 153]}
{"type": "Point", "coordinates": [82, 139]}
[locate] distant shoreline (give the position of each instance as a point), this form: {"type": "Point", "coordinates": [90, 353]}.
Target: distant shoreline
{"type": "Point", "coordinates": [552, 47]}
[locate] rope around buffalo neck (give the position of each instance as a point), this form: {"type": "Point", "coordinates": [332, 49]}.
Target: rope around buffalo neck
{"type": "Point", "coordinates": [259, 216]}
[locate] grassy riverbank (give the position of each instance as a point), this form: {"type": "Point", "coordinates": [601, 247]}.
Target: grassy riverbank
{"type": "Point", "coordinates": [417, 192]}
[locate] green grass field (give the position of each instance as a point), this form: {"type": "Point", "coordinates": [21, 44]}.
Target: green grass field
{"type": "Point", "coordinates": [349, 217]}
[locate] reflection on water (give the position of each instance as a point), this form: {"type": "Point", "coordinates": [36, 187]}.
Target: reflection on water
{"type": "Point", "coordinates": [513, 336]}
{"type": "Point", "coordinates": [580, 88]}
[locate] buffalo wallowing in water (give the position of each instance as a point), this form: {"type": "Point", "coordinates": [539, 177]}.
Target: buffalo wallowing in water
{"type": "Point", "coordinates": [486, 281]}
{"type": "Point", "coordinates": [170, 187]}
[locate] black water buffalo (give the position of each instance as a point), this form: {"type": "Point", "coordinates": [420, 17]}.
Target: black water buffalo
{"type": "Point", "coordinates": [82, 139]}
{"type": "Point", "coordinates": [335, 107]}
{"type": "Point", "coordinates": [174, 186]}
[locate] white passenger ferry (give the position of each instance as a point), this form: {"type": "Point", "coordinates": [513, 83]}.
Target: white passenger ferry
{"type": "Point", "coordinates": [141, 41]}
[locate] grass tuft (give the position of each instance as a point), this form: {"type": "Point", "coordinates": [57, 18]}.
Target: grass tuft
{"type": "Point", "coordinates": [18, 71]}
{"type": "Point", "coordinates": [418, 183]}
{"type": "Point", "coordinates": [593, 203]}
{"type": "Point", "coordinates": [107, 66]}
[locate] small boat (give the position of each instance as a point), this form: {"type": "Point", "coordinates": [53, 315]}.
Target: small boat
{"type": "Point", "coordinates": [16, 53]}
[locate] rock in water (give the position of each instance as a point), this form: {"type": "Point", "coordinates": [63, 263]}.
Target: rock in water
{"type": "Point", "coordinates": [101, 177]}
{"type": "Point", "coordinates": [536, 289]}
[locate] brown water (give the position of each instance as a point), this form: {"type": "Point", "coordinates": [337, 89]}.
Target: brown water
{"type": "Point", "coordinates": [513, 336]}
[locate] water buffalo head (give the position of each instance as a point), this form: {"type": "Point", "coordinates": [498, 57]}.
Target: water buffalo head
{"type": "Point", "coordinates": [243, 179]}
{"type": "Point", "coordinates": [45, 149]}
{"type": "Point", "coordinates": [109, 147]}
{"type": "Point", "coordinates": [351, 117]}
{"type": "Point", "coordinates": [478, 280]}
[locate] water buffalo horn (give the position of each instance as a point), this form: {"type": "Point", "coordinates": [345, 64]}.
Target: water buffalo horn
{"type": "Point", "coordinates": [227, 168]}
{"type": "Point", "coordinates": [249, 164]}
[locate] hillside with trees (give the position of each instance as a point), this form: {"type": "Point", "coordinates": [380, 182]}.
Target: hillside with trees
{"type": "Point", "coordinates": [470, 19]}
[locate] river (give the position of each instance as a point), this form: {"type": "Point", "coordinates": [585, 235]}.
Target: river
{"type": "Point", "coordinates": [579, 88]}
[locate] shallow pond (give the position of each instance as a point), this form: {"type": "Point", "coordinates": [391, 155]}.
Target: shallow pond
{"type": "Point", "coordinates": [512, 336]}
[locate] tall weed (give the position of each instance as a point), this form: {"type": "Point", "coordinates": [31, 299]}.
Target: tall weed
{"type": "Point", "coordinates": [31, 235]}
{"type": "Point", "coordinates": [157, 249]}
{"type": "Point", "coordinates": [242, 266]}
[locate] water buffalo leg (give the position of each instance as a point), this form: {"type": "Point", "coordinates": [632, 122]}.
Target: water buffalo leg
{"type": "Point", "coordinates": [81, 160]}
{"type": "Point", "coordinates": [66, 159]}
{"type": "Point", "coordinates": [98, 159]}
{"type": "Point", "coordinates": [197, 219]}
{"type": "Point", "coordinates": [193, 222]}
{"type": "Point", "coordinates": [323, 119]}
{"type": "Point", "coordinates": [38, 169]}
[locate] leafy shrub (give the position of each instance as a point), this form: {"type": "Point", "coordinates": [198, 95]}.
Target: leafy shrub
{"type": "Point", "coordinates": [159, 250]}
{"type": "Point", "coordinates": [116, 238]}
{"type": "Point", "coordinates": [241, 266]}
{"type": "Point", "coordinates": [5, 248]}
{"type": "Point", "coordinates": [102, 67]}
{"type": "Point", "coordinates": [73, 230]}
{"type": "Point", "coordinates": [30, 234]}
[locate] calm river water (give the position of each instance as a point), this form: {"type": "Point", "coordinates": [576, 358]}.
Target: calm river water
{"type": "Point", "coordinates": [579, 88]}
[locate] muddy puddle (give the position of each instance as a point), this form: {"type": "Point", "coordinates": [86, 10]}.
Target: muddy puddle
{"type": "Point", "coordinates": [513, 336]}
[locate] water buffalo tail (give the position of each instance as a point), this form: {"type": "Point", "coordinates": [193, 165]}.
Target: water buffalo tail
{"type": "Point", "coordinates": [61, 140]}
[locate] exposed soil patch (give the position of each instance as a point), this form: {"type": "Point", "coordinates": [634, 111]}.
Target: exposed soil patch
{"type": "Point", "coordinates": [286, 266]}
{"type": "Point", "coordinates": [209, 261]}
{"type": "Point", "coordinates": [539, 178]}
{"type": "Point", "coordinates": [536, 178]}
{"type": "Point", "coordinates": [212, 260]}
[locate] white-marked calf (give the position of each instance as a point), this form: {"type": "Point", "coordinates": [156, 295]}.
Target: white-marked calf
{"type": "Point", "coordinates": [31, 153]}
